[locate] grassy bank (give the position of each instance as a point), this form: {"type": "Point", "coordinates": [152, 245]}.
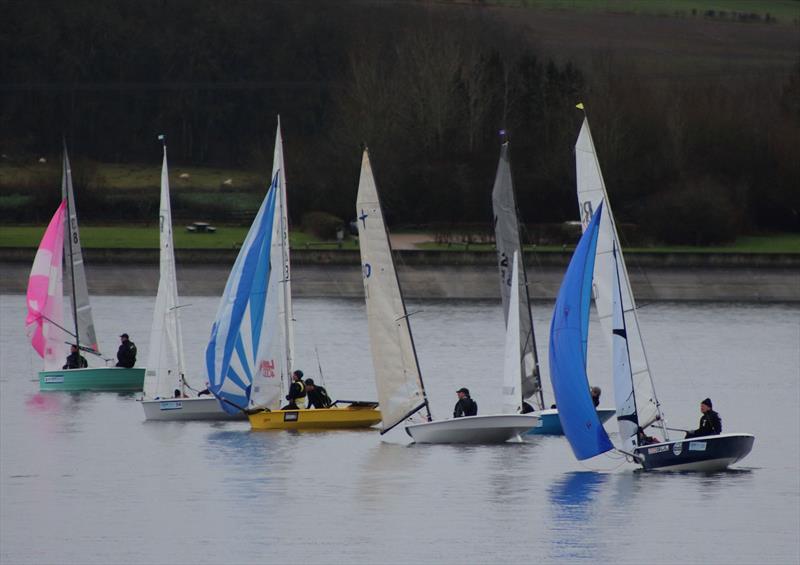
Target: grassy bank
{"type": "Point", "coordinates": [227, 237]}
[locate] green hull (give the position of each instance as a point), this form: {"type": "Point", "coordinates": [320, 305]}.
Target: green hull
{"type": "Point", "coordinates": [103, 379]}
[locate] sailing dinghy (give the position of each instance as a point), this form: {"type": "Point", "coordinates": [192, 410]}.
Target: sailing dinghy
{"type": "Point", "coordinates": [166, 362]}
{"type": "Point", "coordinates": [634, 391]}
{"type": "Point", "coordinates": [401, 392]}
{"type": "Point", "coordinates": [50, 338]}
{"type": "Point", "coordinates": [508, 243]}
{"type": "Point", "coordinates": [250, 355]}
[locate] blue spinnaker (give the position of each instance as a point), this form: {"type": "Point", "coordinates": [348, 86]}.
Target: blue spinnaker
{"type": "Point", "coordinates": [569, 331]}
{"type": "Point", "coordinates": [233, 349]}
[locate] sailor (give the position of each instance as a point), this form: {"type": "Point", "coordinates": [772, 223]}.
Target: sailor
{"type": "Point", "coordinates": [710, 422]}
{"type": "Point", "coordinates": [75, 360]}
{"type": "Point", "coordinates": [317, 395]}
{"type": "Point", "coordinates": [643, 439]}
{"type": "Point", "coordinates": [297, 391]}
{"type": "Point", "coordinates": [465, 405]}
{"type": "Point", "coordinates": [596, 392]}
{"type": "Point", "coordinates": [126, 354]}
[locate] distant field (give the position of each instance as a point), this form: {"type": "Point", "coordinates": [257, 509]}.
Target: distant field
{"type": "Point", "coordinates": [785, 11]}
{"type": "Point", "coordinates": [226, 237]}
{"type": "Point", "coordinates": [146, 237]}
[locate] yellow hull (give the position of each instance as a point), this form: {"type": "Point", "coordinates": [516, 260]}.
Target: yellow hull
{"type": "Point", "coordinates": [315, 419]}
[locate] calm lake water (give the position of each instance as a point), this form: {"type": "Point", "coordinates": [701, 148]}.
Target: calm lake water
{"type": "Point", "coordinates": [83, 479]}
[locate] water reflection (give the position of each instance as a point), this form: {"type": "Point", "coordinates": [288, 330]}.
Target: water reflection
{"type": "Point", "coordinates": [573, 501]}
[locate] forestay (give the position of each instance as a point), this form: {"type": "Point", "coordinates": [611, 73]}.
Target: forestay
{"type": "Point", "coordinates": [569, 336]}
{"type": "Point", "coordinates": [165, 360]}
{"type": "Point", "coordinates": [591, 192]}
{"type": "Point", "coordinates": [239, 345]}
{"type": "Point", "coordinates": [73, 254]}
{"type": "Point", "coordinates": [397, 375]}
{"type": "Point", "coordinates": [512, 369]}
{"type": "Point", "coordinates": [45, 295]}
{"type": "Point", "coordinates": [507, 239]}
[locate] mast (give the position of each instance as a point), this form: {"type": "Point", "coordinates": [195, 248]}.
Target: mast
{"type": "Point", "coordinates": [286, 284]}
{"type": "Point", "coordinates": [507, 241]}
{"type": "Point", "coordinates": [66, 194]}
{"type": "Point", "coordinates": [591, 191]}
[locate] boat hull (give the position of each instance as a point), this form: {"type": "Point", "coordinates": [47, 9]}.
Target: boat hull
{"type": "Point", "coordinates": [705, 454]}
{"type": "Point", "coordinates": [550, 424]}
{"type": "Point", "coordinates": [173, 409]}
{"type": "Point", "coordinates": [473, 429]}
{"type": "Point", "coordinates": [335, 418]}
{"type": "Point", "coordinates": [101, 379]}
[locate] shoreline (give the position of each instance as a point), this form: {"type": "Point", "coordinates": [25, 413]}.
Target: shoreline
{"type": "Point", "coordinates": [436, 275]}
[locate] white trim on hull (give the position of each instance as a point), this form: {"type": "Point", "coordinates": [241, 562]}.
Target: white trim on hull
{"type": "Point", "coordinates": [170, 409]}
{"type": "Point", "coordinates": [474, 429]}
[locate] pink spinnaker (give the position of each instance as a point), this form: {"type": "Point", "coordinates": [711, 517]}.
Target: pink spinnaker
{"type": "Point", "coordinates": [45, 318]}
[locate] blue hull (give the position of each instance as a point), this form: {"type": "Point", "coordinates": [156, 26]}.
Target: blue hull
{"type": "Point", "coordinates": [550, 424]}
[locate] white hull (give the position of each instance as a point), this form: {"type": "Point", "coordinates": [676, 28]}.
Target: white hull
{"type": "Point", "coordinates": [205, 408]}
{"type": "Point", "coordinates": [474, 429]}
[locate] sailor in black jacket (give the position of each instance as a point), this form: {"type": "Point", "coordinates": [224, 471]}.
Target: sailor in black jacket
{"type": "Point", "coordinates": [75, 360]}
{"type": "Point", "coordinates": [126, 354]}
{"type": "Point", "coordinates": [710, 422]}
{"type": "Point", "coordinates": [465, 405]}
{"type": "Point", "coordinates": [297, 391]}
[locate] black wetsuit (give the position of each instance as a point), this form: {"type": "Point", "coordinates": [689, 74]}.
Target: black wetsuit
{"type": "Point", "coordinates": [76, 361]}
{"type": "Point", "coordinates": [465, 407]}
{"type": "Point", "coordinates": [710, 425]}
{"type": "Point", "coordinates": [126, 354]}
{"type": "Point", "coordinates": [318, 398]}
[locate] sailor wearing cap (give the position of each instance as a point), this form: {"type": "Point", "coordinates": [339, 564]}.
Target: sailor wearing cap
{"type": "Point", "coordinates": [465, 405]}
{"type": "Point", "coordinates": [710, 422]}
{"type": "Point", "coordinates": [126, 354]}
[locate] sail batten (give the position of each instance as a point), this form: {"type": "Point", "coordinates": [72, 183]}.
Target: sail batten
{"type": "Point", "coordinates": [568, 338]}
{"type": "Point", "coordinates": [398, 380]}
{"type": "Point", "coordinates": [507, 241]}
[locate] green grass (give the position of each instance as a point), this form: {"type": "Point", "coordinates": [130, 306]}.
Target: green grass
{"type": "Point", "coordinates": [786, 11]}
{"type": "Point", "coordinates": [146, 237]}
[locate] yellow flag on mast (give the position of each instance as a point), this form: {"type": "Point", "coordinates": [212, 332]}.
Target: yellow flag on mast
{"type": "Point", "coordinates": [579, 105]}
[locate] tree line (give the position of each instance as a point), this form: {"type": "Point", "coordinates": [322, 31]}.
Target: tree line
{"type": "Point", "coordinates": [426, 88]}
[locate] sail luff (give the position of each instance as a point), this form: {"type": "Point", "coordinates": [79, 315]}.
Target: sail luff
{"type": "Point", "coordinates": [287, 315]}
{"type": "Point", "coordinates": [165, 362]}
{"type": "Point", "coordinates": [81, 307]}
{"type": "Point", "coordinates": [44, 322]}
{"type": "Point", "coordinates": [624, 397]}
{"type": "Point", "coordinates": [507, 240]}
{"type": "Point", "coordinates": [398, 380]}
{"type": "Point", "coordinates": [591, 192]}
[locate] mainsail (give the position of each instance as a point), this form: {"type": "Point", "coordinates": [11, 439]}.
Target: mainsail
{"type": "Point", "coordinates": [397, 376]}
{"type": "Point", "coordinates": [506, 229]}
{"type": "Point", "coordinates": [165, 361]}
{"type": "Point", "coordinates": [624, 397]}
{"type": "Point", "coordinates": [238, 349]}
{"type": "Point", "coordinates": [45, 296]}
{"type": "Point", "coordinates": [512, 370]}
{"type": "Point", "coordinates": [569, 337]}
{"type": "Point", "coordinates": [591, 192]}
{"type": "Point", "coordinates": [73, 256]}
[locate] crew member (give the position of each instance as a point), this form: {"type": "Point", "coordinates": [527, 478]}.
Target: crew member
{"type": "Point", "coordinates": [526, 408]}
{"type": "Point", "coordinates": [317, 395]}
{"type": "Point", "coordinates": [126, 354]}
{"type": "Point", "coordinates": [596, 392]}
{"type": "Point", "coordinates": [297, 391]}
{"type": "Point", "coordinates": [75, 360]}
{"type": "Point", "coordinates": [465, 405]}
{"type": "Point", "coordinates": [710, 422]}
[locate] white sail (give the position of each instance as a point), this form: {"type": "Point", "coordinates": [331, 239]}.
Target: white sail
{"type": "Point", "coordinates": [280, 247]}
{"type": "Point", "coordinates": [592, 191]}
{"type": "Point", "coordinates": [397, 375]}
{"type": "Point", "coordinates": [624, 397]}
{"type": "Point", "coordinates": [73, 257]}
{"type": "Point", "coordinates": [512, 369]}
{"type": "Point", "coordinates": [165, 360]}
{"type": "Point", "coordinates": [507, 241]}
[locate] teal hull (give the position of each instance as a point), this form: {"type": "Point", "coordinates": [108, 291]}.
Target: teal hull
{"type": "Point", "coordinates": [103, 379]}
